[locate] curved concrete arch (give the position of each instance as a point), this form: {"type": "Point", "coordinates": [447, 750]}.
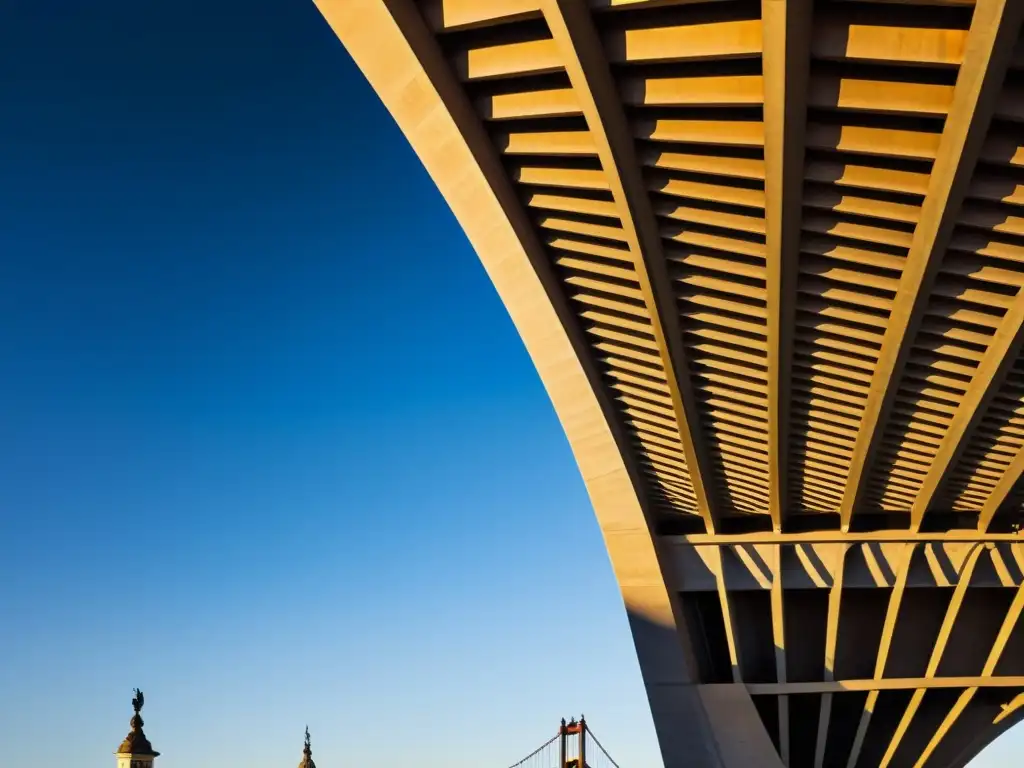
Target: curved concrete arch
{"type": "Point", "coordinates": [765, 257]}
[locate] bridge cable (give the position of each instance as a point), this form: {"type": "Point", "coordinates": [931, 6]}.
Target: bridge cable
{"type": "Point", "coordinates": [604, 751]}
{"type": "Point", "coordinates": [536, 752]}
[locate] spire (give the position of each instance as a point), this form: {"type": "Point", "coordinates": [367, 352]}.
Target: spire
{"type": "Point", "coordinates": [307, 753]}
{"type": "Point", "coordinates": [136, 743]}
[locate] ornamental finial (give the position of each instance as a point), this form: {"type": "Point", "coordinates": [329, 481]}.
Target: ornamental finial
{"type": "Point", "coordinates": [136, 743]}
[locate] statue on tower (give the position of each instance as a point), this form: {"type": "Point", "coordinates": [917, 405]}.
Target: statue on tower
{"type": "Point", "coordinates": [307, 753]}
{"type": "Point", "coordinates": [135, 744]}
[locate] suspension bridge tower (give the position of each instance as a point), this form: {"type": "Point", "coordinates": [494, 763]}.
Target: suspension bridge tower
{"type": "Point", "coordinates": [565, 733]}
{"type": "Point", "coordinates": [573, 746]}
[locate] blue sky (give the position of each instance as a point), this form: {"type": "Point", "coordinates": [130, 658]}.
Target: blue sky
{"type": "Point", "coordinates": [272, 449]}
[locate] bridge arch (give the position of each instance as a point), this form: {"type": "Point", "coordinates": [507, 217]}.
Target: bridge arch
{"type": "Point", "coordinates": [765, 257]}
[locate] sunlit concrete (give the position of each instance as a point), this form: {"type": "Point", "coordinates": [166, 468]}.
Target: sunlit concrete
{"type": "Point", "coordinates": [767, 258]}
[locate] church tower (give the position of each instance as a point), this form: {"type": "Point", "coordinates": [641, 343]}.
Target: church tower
{"type": "Point", "coordinates": [307, 754]}
{"type": "Point", "coordinates": [136, 751]}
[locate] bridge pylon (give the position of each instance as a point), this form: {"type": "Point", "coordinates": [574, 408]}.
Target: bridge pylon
{"type": "Point", "coordinates": [576, 747]}
{"type": "Point", "coordinates": [572, 743]}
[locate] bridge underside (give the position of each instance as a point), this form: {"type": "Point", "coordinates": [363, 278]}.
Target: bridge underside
{"type": "Point", "coordinates": [767, 256]}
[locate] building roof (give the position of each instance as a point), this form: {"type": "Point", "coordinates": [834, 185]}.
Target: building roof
{"type": "Point", "coordinates": [136, 743]}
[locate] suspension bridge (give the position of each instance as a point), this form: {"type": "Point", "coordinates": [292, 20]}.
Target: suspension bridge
{"type": "Point", "coordinates": [574, 745]}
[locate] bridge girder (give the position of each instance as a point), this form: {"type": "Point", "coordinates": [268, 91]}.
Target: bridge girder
{"type": "Point", "coordinates": [767, 257]}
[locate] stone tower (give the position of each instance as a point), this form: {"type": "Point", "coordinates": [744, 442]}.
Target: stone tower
{"type": "Point", "coordinates": [136, 751]}
{"type": "Point", "coordinates": [307, 753]}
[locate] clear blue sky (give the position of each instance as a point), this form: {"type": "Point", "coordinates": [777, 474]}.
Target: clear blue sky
{"type": "Point", "coordinates": [272, 449]}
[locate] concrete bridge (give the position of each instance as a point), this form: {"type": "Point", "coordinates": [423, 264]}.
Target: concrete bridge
{"type": "Point", "coordinates": [767, 256]}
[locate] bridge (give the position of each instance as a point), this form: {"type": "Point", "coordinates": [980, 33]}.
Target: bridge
{"type": "Point", "coordinates": [767, 257]}
{"type": "Point", "coordinates": [574, 745]}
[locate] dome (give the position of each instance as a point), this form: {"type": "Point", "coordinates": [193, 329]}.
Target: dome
{"type": "Point", "coordinates": [136, 743]}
